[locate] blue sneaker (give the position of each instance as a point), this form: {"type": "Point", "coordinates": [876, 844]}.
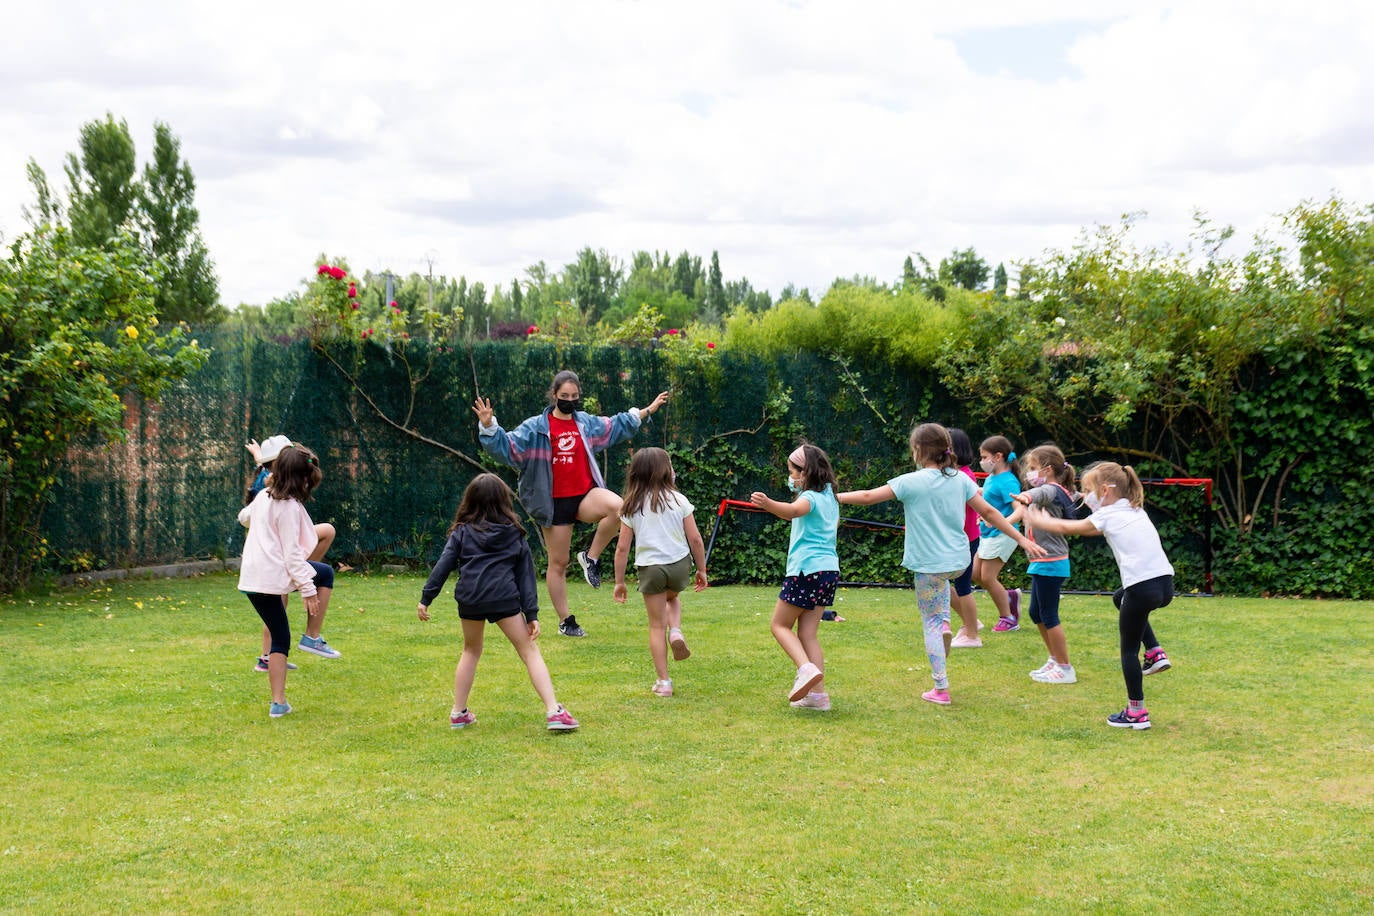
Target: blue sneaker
{"type": "Point", "coordinates": [277, 710]}
{"type": "Point", "coordinates": [317, 646]}
{"type": "Point", "coordinates": [262, 664]}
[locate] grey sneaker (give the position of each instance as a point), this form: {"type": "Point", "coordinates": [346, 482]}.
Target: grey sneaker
{"type": "Point", "coordinates": [591, 569]}
{"type": "Point", "coordinates": [317, 646]}
{"type": "Point", "coordinates": [277, 710]}
{"type": "Point", "coordinates": [568, 627]}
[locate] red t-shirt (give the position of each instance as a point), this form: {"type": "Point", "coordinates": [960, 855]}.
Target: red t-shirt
{"type": "Point", "coordinates": [572, 473]}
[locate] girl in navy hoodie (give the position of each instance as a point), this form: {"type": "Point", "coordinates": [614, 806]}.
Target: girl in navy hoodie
{"type": "Point", "coordinates": [496, 584]}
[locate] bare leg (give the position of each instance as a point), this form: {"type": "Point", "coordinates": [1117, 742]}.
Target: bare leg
{"type": "Point", "coordinates": [325, 533]}
{"type": "Point", "coordinates": [517, 631]}
{"type": "Point", "coordinates": [657, 608]}
{"type": "Point", "coordinates": [276, 676]}
{"type": "Point", "coordinates": [557, 540]}
{"type": "Point", "coordinates": [1057, 643]}
{"type": "Point", "coordinates": [985, 573]}
{"type": "Point", "coordinates": [808, 632]}
{"type": "Point", "coordinates": [313, 624]}
{"type": "Point", "coordinates": [466, 672]}
{"type": "Point", "coordinates": [600, 507]}
{"type": "Point", "coordinates": [967, 609]}
{"type": "Point", "coordinates": [786, 616]}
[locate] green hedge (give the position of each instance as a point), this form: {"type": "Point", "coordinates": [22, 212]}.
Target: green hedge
{"type": "Point", "coordinates": [172, 489]}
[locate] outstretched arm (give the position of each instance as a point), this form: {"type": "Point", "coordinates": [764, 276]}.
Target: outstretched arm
{"type": "Point", "coordinates": [994, 518]}
{"type": "Point", "coordinates": [1043, 521]}
{"type": "Point", "coordinates": [781, 510]}
{"type": "Point", "coordinates": [867, 497]}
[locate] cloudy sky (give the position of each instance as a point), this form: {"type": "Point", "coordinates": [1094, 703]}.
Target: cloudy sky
{"type": "Point", "coordinates": [801, 140]}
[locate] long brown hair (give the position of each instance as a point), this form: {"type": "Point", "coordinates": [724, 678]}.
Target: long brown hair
{"type": "Point", "coordinates": [648, 483]}
{"type": "Point", "coordinates": [295, 473]}
{"type": "Point", "coordinates": [817, 472]}
{"type": "Point", "coordinates": [931, 445]}
{"type": "Point", "coordinates": [486, 501]}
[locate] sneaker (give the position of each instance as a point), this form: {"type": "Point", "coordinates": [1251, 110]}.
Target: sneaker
{"type": "Point", "coordinates": [1049, 663]}
{"type": "Point", "coordinates": [1059, 674]}
{"type": "Point", "coordinates": [568, 627]}
{"type": "Point", "coordinates": [1129, 719]}
{"type": "Point", "coordinates": [937, 696]}
{"type": "Point", "coordinates": [262, 664]}
{"type": "Point", "coordinates": [831, 614]}
{"type": "Point", "coordinates": [808, 676]}
{"type": "Point", "coordinates": [461, 719]}
{"type": "Point", "coordinates": [962, 640]}
{"type": "Point", "coordinates": [317, 646]}
{"type": "Point", "coordinates": [980, 624]}
{"type": "Point", "coordinates": [1014, 603]}
{"type": "Point", "coordinates": [664, 688]}
{"type": "Point", "coordinates": [591, 569]}
{"type": "Point", "coordinates": [813, 700]}
{"type": "Point", "coordinates": [679, 645]}
{"type": "Point", "coordinates": [1005, 625]}
{"type": "Point", "coordinates": [561, 720]}
{"type": "Point", "coordinates": [277, 710]}
{"type": "Point", "coordinates": [1155, 662]}
{"type": "Point", "coordinates": [947, 635]}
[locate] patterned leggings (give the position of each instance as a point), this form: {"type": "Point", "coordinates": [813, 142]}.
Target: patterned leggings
{"type": "Point", "coordinates": [932, 599]}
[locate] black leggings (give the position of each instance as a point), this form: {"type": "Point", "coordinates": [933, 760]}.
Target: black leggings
{"type": "Point", "coordinates": [272, 608]}
{"type": "Point", "coordinates": [1135, 604]}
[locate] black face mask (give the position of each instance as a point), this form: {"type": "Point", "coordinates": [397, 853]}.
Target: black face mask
{"type": "Point", "coordinates": [569, 406]}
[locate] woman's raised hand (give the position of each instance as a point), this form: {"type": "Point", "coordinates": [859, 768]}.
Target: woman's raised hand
{"type": "Point", "coordinates": [482, 407]}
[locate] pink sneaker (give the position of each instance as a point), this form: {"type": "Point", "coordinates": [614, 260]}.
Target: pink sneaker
{"type": "Point", "coordinates": [664, 688]}
{"type": "Point", "coordinates": [964, 641]}
{"type": "Point", "coordinates": [937, 696]}
{"type": "Point", "coordinates": [462, 719]}
{"type": "Point", "coordinates": [808, 676]}
{"type": "Point", "coordinates": [813, 700]}
{"type": "Point", "coordinates": [947, 635]}
{"type": "Point", "coordinates": [679, 646]}
{"type": "Point", "coordinates": [561, 720]}
{"type": "Point", "coordinates": [1005, 625]}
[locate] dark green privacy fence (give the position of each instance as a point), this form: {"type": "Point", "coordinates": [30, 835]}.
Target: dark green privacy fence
{"type": "Point", "coordinates": [171, 491]}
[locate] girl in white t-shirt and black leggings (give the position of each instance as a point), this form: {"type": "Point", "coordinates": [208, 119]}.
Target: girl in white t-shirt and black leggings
{"type": "Point", "coordinates": [1117, 499]}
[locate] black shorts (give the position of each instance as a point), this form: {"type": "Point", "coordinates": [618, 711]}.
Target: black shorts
{"type": "Point", "coordinates": [810, 592]}
{"type": "Point", "coordinates": [489, 616]}
{"type": "Point", "coordinates": [565, 509]}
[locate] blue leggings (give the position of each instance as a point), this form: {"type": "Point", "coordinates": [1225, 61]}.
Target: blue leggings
{"type": "Point", "coordinates": [1044, 603]}
{"type": "Point", "coordinates": [272, 609]}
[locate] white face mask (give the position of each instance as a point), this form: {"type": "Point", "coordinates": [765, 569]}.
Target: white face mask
{"type": "Point", "coordinates": [987, 464]}
{"type": "Point", "coordinates": [793, 485]}
{"type": "Point", "coordinates": [1092, 502]}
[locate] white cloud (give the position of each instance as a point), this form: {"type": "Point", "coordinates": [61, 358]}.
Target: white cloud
{"type": "Point", "coordinates": [803, 140]}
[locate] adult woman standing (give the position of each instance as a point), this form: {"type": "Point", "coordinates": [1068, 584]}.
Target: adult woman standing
{"type": "Point", "coordinates": [560, 484]}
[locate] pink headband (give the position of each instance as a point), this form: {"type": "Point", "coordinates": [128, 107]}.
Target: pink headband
{"type": "Point", "coordinates": [798, 458]}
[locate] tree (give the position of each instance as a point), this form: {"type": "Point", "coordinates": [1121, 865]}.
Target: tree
{"type": "Point", "coordinates": [999, 281]}
{"type": "Point", "coordinates": [103, 191]}
{"type": "Point", "coordinates": [715, 289]}
{"type": "Point", "coordinates": [964, 269]}
{"type": "Point", "coordinates": [909, 279]}
{"type": "Point", "coordinates": [78, 328]}
{"type": "Point", "coordinates": [189, 290]}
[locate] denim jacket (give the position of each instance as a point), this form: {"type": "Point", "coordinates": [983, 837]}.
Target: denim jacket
{"type": "Point", "coordinates": [527, 449]}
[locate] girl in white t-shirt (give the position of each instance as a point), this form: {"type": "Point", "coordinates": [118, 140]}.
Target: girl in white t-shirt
{"type": "Point", "coordinates": [1117, 499]}
{"type": "Point", "coordinates": [659, 520]}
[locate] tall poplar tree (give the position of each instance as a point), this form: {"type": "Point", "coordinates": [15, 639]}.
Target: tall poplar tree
{"type": "Point", "coordinates": [189, 290]}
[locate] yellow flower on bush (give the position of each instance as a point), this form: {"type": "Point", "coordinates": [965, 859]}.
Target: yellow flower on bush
{"type": "Point", "coordinates": [132, 332]}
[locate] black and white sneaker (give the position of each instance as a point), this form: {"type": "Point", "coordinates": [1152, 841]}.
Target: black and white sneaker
{"type": "Point", "coordinates": [591, 569]}
{"type": "Point", "coordinates": [568, 627]}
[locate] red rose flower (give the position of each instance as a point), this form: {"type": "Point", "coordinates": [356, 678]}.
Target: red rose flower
{"type": "Point", "coordinates": [710, 346]}
{"type": "Point", "coordinates": [533, 329]}
{"type": "Point", "coordinates": [352, 291]}
{"type": "Point", "coordinates": [672, 330]}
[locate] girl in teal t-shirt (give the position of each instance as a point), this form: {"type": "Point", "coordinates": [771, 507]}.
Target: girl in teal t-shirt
{"type": "Point", "coordinates": [813, 569]}
{"type": "Point", "coordinates": [935, 547]}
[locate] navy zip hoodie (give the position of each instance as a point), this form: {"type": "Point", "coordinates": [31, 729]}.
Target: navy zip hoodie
{"type": "Point", "coordinates": [495, 571]}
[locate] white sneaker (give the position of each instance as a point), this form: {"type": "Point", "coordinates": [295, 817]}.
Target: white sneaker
{"type": "Point", "coordinates": [1049, 663]}
{"type": "Point", "coordinates": [808, 676]}
{"type": "Point", "coordinates": [813, 700]}
{"type": "Point", "coordinates": [1059, 674]}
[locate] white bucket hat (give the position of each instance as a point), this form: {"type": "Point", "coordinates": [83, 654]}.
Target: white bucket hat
{"type": "Point", "coordinates": [271, 448]}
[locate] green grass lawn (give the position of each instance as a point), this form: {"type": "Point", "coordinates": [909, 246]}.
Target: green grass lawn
{"type": "Point", "coordinates": [141, 772]}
